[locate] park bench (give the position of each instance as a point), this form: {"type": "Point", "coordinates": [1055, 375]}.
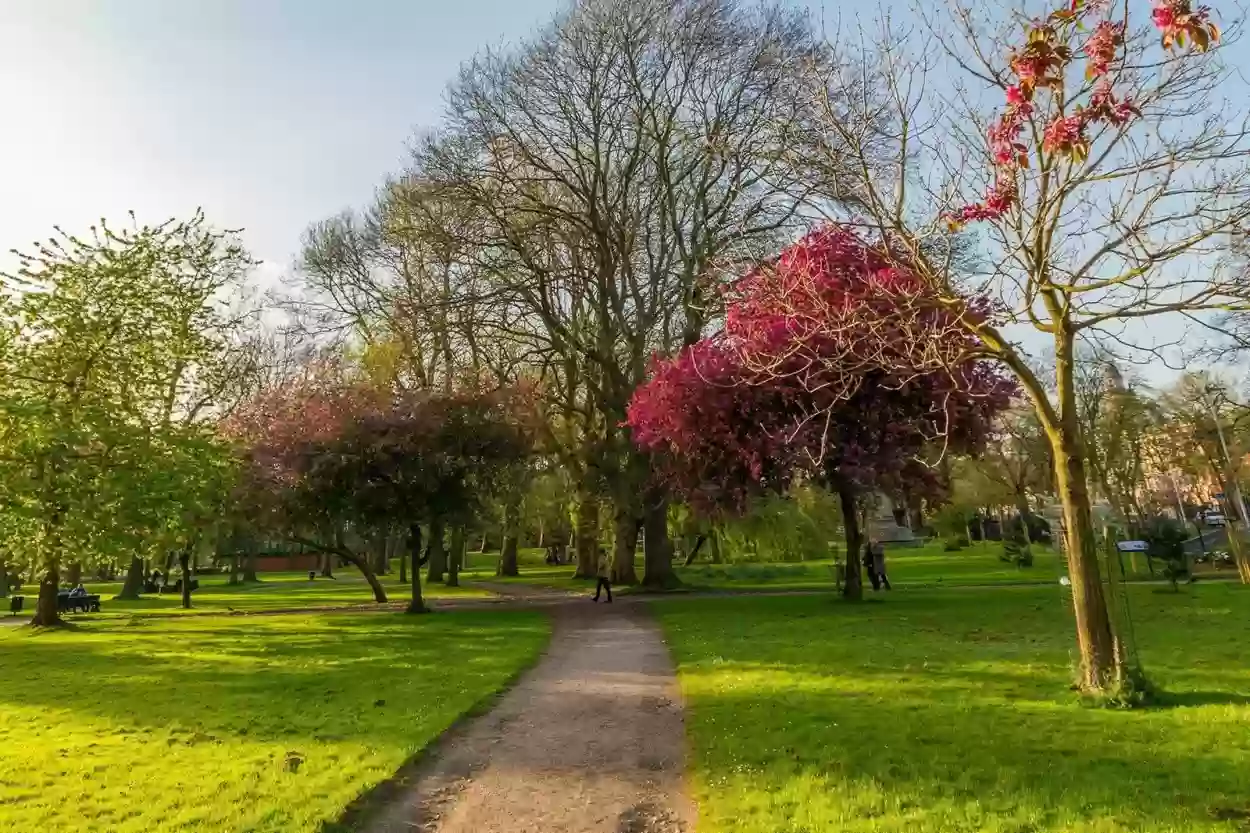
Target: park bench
{"type": "Point", "coordinates": [65, 603]}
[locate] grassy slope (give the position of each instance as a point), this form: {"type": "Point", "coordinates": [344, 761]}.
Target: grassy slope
{"type": "Point", "coordinates": [275, 591]}
{"type": "Point", "coordinates": [948, 711]}
{"type": "Point", "coordinates": [185, 724]}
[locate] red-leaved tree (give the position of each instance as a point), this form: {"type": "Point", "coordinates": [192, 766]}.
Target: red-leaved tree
{"type": "Point", "coordinates": [325, 459]}
{"type": "Point", "coordinates": [832, 364]}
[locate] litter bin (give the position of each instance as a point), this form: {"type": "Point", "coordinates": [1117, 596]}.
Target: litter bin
{"type": "Point", "coordinates": [312, 575]}
{"type": "Point", "coordinates": [15, 604]}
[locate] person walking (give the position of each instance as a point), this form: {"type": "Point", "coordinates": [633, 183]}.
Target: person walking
{"type": "Point", "coordinates": [605, 577]}
{"type": "Point", "coordinates": [878, 567]}
{"type": "Point", "coordinates": [869, 565]}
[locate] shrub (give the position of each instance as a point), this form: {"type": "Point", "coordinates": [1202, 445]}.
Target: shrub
{"type": "Point", "coordinates": [1166, 538]}
{"type": "Point", "coordinates": [954, 543]}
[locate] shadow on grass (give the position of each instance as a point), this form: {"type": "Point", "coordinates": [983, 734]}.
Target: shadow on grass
{"type": "Point", "coordinates": [950, 712]}
{"type": "Point", "coordinates": [264, 679]}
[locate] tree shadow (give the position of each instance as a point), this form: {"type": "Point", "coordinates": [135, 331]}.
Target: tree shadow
{"type": "Point", "coordinates": [951, 711]}
{"type": "Point", "coordinates": [264, 679]}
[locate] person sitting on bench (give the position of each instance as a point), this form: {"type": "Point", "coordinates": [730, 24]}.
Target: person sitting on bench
{"type": "Point", "coordinates": [78, 592]}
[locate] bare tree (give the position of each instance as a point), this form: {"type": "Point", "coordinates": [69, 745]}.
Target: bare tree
{"type": "Point", "coordinates": [617, 162]}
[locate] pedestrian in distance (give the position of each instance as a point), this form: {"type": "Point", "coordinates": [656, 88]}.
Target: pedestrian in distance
{"type": "Point", "coordinates": [870, 565]}
{"type": "Point", "coordinates": [605, 577]}
{"type": "Point", "coordinates": [878, 567]}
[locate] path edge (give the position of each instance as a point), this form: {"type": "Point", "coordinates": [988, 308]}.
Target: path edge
{"type": "Point", "coordinates": [364, 808]}
{"type": "Point", "coordinates": [690, 810]}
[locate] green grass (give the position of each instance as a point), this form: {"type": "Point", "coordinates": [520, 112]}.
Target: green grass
{"type": "Point", "coordinates": [921, 566]}
{"type": "Point", "coordinates": [181, 724]}
{"type": "Point", "coordinates": [949, 710]}
{"type": "Point", "coordinates": [911, 566]}
{"type": "Point", "coordinates": [908, 567]}
{"type": "Point", "coordinates": [275, 592]}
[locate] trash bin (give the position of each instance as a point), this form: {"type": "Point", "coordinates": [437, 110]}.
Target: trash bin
{"type": "Point", "coordinates": [15, 605]}
{"type": "Point", "coordinates": [312, 575]}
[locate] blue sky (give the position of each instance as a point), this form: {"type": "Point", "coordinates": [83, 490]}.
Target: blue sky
{"type": "Point", "coordinates": [270, 114]}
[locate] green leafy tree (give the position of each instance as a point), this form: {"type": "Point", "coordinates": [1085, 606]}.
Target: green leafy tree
{"type": "Point", "coordinates": [104, 342]}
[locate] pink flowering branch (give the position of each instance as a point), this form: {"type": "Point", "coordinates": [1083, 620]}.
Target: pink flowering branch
{"type": "Point", "coordinates": [1042, 64]}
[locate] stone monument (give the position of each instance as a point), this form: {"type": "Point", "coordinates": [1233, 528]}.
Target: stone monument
{"type": "Point", "coordinates": [884, 526]}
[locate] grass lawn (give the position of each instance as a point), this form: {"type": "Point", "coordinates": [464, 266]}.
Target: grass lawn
{"type": "Point", "coordinates": [922, 566]}
{"type": "Point", "coordinates": [174, 723]}
{"type": "Point", "coordinates": [275, 591]}
{"type": "Point", "coordinates": [913, 566]}
{"type": "Point", "coordinates": [906, 566]}
{"type": "Point", "coordinates": [948, 710]}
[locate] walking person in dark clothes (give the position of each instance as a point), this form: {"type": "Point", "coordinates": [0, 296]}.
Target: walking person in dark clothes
{"type": "Point", "coordinates": [878, 567]}
{"type": "Point", "coordinates": [870, 565]}
{"type": "Point", "coordinates": [605, 577]}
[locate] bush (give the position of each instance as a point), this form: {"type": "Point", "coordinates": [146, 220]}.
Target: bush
{"type": "Point", "coordinates": [954, 543]}
{"type": "Point", "coordinates": [1166, 538]}
{"type": "Point", "coordinates": [1016, 544]}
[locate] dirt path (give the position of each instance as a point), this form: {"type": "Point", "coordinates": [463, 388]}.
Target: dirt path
{"type": "Point", "coordinates": [590, 740]}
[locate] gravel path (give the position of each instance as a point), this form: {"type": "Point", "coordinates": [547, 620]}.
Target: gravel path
{"type": "Point", "coordinates": [591, 740]}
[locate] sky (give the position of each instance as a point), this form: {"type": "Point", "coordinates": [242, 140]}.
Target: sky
{"type": "Point", "coordinates": [269, 114]}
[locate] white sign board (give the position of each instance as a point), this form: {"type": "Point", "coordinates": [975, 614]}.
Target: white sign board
{"type": "Point", "coordinates": [1132, 546]}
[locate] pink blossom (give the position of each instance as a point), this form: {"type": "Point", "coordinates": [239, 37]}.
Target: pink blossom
{"type": "Point", "coordinates": [1101, 47]}
{"type": "Point", "coordinates": [1064, 135]}
{"type": "Point", "coordinates": [1178, 19]}
{"type": "Point", "coordinates": [1104, 106]}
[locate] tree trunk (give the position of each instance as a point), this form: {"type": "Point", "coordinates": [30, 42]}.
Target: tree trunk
{"type": "Point", "coordinates": [73, 575]}
{"type": "Point", "coordinates": [438, 554]}
{"type": "Point", "coordinates": [714, 535]}
{"type": "Point", "coordinates": [380, 553]}
{"type": "Point", "coordinates": [133, 586]}
{"type": "Point", "coordinates": [657, 549]}
{"type": "Point", "coordinates": [4, 579]}
{"type": "Point", "coordinates": [184, 562]}
{"type": "Point", "coordinates": [1102, 661]}
{"type": "Point", "coordinates": [853, 588]}
{"type": "Point", "coordinates": [456, 557]}
{"type": "Point", "coordinates": [249, 564]}
{"type": "Point", "coordinates": [509, 563]}
{"type": "Point", "coordinates": [327, 565]}
{"type": "Point", "coordinates": [1022, 509]}
{"type": "Point", "coordinates": [694, 551]}
{"type": "Point", "coordinates": [587, 534]}
{"type": "Point", "coordinates": [403, 568]}
{"type": "Point", "coordinates": [362, 564]}
{"type": "Point", "coordinates": [234, 569]}
{"type": "Point", "coordinates": [509, 549]}
{"type": "Point", "coordinates": [416, 604]}
{"type": "Point", "coordinates": [626, 528]}
{"type": "Point", "coordinates": [46, 613]}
